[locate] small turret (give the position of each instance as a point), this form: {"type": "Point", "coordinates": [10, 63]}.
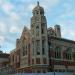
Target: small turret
{"type": "Point", "coordinates": [38, 10]}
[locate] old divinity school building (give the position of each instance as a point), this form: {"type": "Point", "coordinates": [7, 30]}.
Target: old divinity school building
{"type": "Point", "coordinates": [42, 49]}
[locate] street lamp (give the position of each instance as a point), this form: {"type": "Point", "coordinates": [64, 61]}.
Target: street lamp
{"type": "Point", "coordinates": [54, 62]}
{"type": "Point", "coordinates": [49, 43]}
{"type": "Point", "coordinates": [49, 54]}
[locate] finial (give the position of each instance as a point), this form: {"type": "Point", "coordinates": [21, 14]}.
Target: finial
{"type": "Point", "coordinates": [38, 3]}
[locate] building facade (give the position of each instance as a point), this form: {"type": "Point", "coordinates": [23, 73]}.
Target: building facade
{"type": "Point", "coordinates": [61, 54]}
{"type": "Point", "coordinates": [4, 61]}
{"type": "Point", "coordinates": [42, 49]}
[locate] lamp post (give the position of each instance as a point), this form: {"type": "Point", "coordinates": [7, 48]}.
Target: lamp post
{"type": "Point", "coordinates": [54, 62]}
{"type": "Point", "coordinates": [49, 54]}
{"type": "Point", "coordinates": [49, 43]}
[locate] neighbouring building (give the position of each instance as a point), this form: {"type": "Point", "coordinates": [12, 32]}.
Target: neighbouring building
{"type": "Point", "coordinates": [4, 61]}
{"type": "Point", "coordinates": [42, 49]}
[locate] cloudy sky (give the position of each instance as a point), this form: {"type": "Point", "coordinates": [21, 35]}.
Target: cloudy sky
{"type": "Point", "coordinates": [15, 14]}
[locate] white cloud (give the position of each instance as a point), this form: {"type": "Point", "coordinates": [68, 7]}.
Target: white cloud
{"type": "Point", "coordinates": [68, 10]}
{"type": "Point", "coordinates": [8, 9]}
{"type": "Point", "coordinates": [2, 39]}
{"type": "Point", "coordinates": [68, 33]}
{"type": "Point", "coordinates": [31, 6]}
{"type": "Point", "coordinates": [68, 14]}
{"type": "Point", "coordinates": [14, 16]}
{"type": "Point", "coordinates": [15, 29]}
{"type": "Point", "coordinates": [49, 3]}
{"type": "Point", "coordinates": [2, 27]}
{"type": "Point", "coordinates": [72, 33]}
{"type": "Point", "coordinates": [1, 2]}
{"type": "Point", "coordinates": [64, 33]}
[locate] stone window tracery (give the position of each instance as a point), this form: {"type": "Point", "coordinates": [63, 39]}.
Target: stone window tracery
{"type": "Point", "coordinates": [57, 52]}
{"type": "Point", "coordinates": [43, 47]}
{"type": "Point", "coordinates": [33, 47]}
{"type": "Point", "coordinates": [38, 47]}
{"type": "Point", "coordinates": [37, 60]}
{"type": "Point", "coordinates": [67, 54]}
{"type": "Point", "coordinates": [24, 50]}
{"type": "Point", "coordinates": [37, 30]}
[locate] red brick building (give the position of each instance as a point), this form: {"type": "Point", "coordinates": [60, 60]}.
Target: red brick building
{"type": "Point", "coordinates": [42, 49]}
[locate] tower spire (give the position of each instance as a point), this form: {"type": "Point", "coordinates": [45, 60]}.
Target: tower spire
{"type": "Point", "coordinates": [37, 3]}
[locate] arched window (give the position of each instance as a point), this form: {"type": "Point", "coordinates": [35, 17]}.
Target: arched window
{"type": "Point", "coordinates": [42, 29]}
{"type": "Point", "coordinates": [58, 52]}
{"type": "Point", "coordinates": [67, 54]}
{"type": "Point", "coordinates": [43, 47]}
{"type": "Point", "coordinates": [38, 47]}
{"type": "Point", "coordinates": [33, 47]}
{"type": "Point", "coordinates": [24, 50]}
{"type": "Point", "coordinates": [37, 30]}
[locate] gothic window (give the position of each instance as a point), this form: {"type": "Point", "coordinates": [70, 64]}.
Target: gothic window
{"type": "Point", "coordinates": [13, 58]}
{"type": "Point", "coordinates": [57, 52]}
{"type": "Point", "coordinates": [38, 53]}
{"type": "Point", "coordinates": [43, 47]}
{"type": "Point", "coordinates": [37, 60]}
{"type": "Point", "coordinates": [42, 30]}
{"type": "Point", "coordinates": [43, 51]}
{"type": "Point", "coordinates": [32, 61]}
{"type": "Point", "coordinates": [37, 42]}
{"type": "Point", "coordinates": [38, 50]}
{"type": "Point", "coordinates": [67, 54]}
{"type": "Point", "coordinates": [69, 51]}
{"type": "Point", "coordinates": [33, 47]}
{"type": "Point", "coordinates": [44, 61]}
{"type": "Point", "coordinates": [24, 50]}
{"type": "Point", "coordinates": [37, 30]}
{"type": "Point", "coordinates": [37, 27]}
{"type": "Point", "coordinates": [38, 47]}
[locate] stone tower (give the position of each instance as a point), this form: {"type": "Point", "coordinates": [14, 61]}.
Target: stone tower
{"type": "Point", "coordinates": [57, 31]}
{"type": "Point", "coordinates": [39, 40]}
